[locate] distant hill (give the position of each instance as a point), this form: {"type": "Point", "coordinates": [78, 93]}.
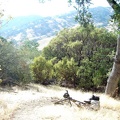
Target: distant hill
{"type": "Point", "coordinates": [37, 27]}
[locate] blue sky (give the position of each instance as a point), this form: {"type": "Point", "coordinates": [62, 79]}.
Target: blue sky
{"type": "Point", "coordinates": [33, 7]}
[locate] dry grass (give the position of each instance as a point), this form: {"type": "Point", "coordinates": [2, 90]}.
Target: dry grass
{"type": "Point", "coordinates": [6, 108]}
{"type": "Point", "coordinates": [10, 101]}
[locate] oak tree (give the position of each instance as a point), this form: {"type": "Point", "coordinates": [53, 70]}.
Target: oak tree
{"type": "Point", "coordinates": [114, 76]}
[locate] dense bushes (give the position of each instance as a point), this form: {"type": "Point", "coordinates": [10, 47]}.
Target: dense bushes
{"type": "Point", "coordinates": [66, 70]}
{"type": "Point", "coordinates": [78, 57]}
{"type": "Point", "coordinates": [83, 56]}
{"type": "Point", "coordinates": [42, 69]}
{"type": "Point", "coordinates": [15, 61]}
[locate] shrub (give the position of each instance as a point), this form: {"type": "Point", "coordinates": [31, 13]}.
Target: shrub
{"type": "Point", "coordinates": [41, 69]}
{"type": "Point", "coordinates": [66, 70]}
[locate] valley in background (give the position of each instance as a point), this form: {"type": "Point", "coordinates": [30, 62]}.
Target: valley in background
{"type": "Point", "coordinates": [39, 28]}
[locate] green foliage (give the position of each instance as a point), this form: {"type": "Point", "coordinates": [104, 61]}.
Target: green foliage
{"type": "Point", "coordinates": [15, 62]}
{"type": "Point", "coordinates": [83, 15]}
{"type": "Point", "coordinates": [66, 70]}
{"type": "Point", "coordinates": [42, 69]}
{"type": "Point", "coordinates": [7, 57]}
{"type": "Point", "coordinates": [91, 49]}
{"type": "Point", "coordinates": [85, 74]}
{"type": "Point", "coordinates": [29, 50]}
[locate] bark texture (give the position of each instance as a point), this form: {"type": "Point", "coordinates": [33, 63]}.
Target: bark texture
{"type": "Point", "coordinates": [113, 4]}
{"type": "Point", "coordinates": [114, 77]}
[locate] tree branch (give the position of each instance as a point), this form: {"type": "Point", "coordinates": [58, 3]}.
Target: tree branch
{"type": "Point", "coordinates": [113, 4]}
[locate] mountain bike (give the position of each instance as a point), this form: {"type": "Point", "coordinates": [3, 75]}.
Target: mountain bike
{"type": "Point", "coordinates": [92, 103]}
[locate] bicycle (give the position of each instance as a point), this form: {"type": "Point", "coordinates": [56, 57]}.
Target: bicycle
{"type": "Point", "coordinates": [90, 104]}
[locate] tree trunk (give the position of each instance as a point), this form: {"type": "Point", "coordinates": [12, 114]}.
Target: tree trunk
{"type": "Point", "coordinates": [114, 77]}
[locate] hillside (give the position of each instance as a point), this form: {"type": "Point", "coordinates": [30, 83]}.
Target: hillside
{"type": "Point", "coordinates": [37, 103]}
{"type": "Point", "coordinates": [37, 27]}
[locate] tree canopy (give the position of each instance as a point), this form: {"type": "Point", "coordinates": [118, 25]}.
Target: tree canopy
{"type": "Point", "coordinates": [82, 57]}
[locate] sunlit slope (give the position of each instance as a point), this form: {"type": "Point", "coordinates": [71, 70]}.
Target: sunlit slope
{"type": "Point", "coordinates": [38, 103]}
{"type": "Point", "coordinates": [37, 27]}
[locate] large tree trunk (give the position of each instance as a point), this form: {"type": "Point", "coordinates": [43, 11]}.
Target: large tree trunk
{"type": "Point", "coordinates": [114, 77]}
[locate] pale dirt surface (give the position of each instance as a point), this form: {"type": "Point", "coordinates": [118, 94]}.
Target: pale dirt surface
{"type": "Point", "coordinates": [38, 104]}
